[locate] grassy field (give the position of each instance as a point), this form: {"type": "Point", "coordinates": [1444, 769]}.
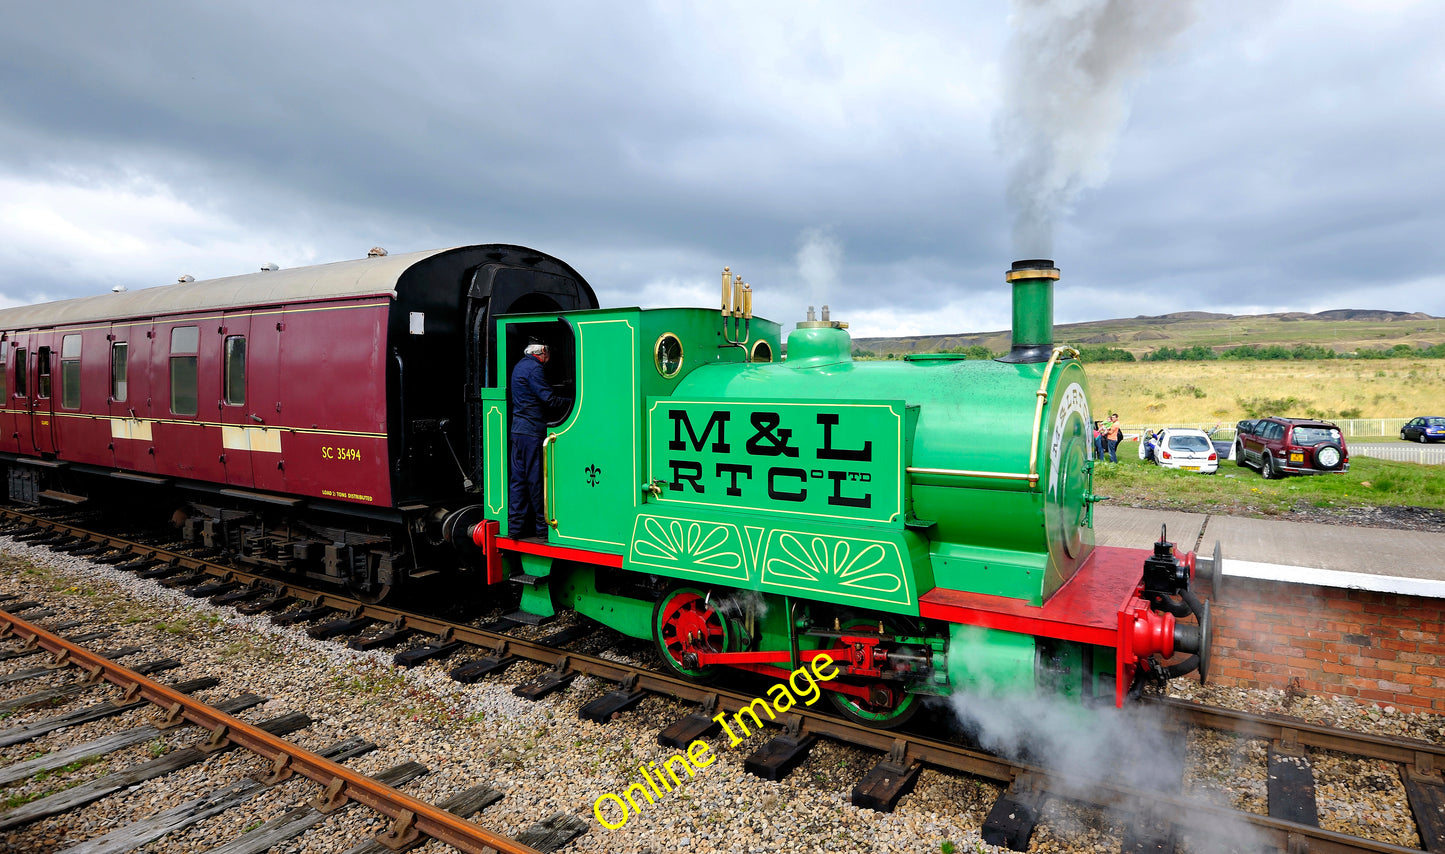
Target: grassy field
{"type": "Point", "coordinates": [1157, 393]}
{"type": "Point", "coordinates": [1242, 492]}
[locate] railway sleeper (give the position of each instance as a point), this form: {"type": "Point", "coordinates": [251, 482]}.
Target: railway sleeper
{"type": "Point", "coordinates": [553, 680]}
{"type": "Point", "coordinates": [613, 703]}
{"type": "Point", "coordinates": [22, 675]}
{"type": "Point", "coordinates": [777, 759]}
{"type": "Point", "coordinates": [186, 579]}
{"type": "Point", "coordinates": [343, 626]}
{"type": "Point", "coordinates": [36, 649]}
{"type": "Point", "coordinates": [391, 636]}
{"type": "Point", "coordinates": [437, 649]}
{"type": "Point", "coordinates": [72, 688]}
{"type": "Point", "coordinates": [1427, 802]}
{"type": "Point", "coordinates": [1013, 817]}
{"type": "Point", "coordinates": [689, 728]}
{"type": "Point", "coordinates": [245, 594]}
{"type": "Point", "coordinates": [886, 782]}
{"type": "Point", "coordinates": [1291, 788]}
{"type": "Point", "coordinates": [464, 804]}
{"type": "Point", "coordinates": [550, 834]}
{"type": "Point", "coordinates": [140, 833]}
{"type": "Point", "coordinates": [97, 711]}
{"type": "Point", "coordinates": [477, 669]}
{"type": "Point", "coordinates": [214, 588]}
{"type": "Point", "coordinates": [109, 743]}
{"type": "Point", "coordinates": [304, 614]}
{"type": "Point", "coordinates": [274, 602]}
{"type": "Point", "coordinates": [93, 790]}
{"type": "Point", "coordinates": [298, 820]}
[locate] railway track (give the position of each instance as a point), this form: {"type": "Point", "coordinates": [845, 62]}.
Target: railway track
{"type": "Point", "coordinates": [1161, 814]}
{"type": "Point", "coordinates": [412, 820]}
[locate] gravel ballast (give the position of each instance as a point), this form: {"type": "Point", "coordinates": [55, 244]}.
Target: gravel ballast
{"type": "Point", "coordinates": [545, 759]}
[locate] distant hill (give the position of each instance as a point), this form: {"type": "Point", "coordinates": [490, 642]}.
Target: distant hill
{"type": "Point", "coordinates": [1344, 330]}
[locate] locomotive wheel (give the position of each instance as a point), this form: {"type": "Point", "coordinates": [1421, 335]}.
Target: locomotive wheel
{"type": "Point", "coordinates": [685, 620]}
{"type": "Point", "coordinates": [369, 594]}
{"type": "Point", "coordinates": [891, 709]}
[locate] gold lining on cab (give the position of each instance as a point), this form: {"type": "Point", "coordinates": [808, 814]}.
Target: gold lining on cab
{"type": "Point", "coordinates": [667, 355]}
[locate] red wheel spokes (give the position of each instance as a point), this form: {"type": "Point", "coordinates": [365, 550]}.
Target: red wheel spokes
{"type": "Point", "coordinates": [689, 623]}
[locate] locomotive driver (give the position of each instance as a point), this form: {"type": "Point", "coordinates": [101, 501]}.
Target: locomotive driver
{"type": "Point", "coordinates": [532, 397]}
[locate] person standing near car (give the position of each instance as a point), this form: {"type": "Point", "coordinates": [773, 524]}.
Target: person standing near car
{"type": "Point", "coordinates": [1099, 450]}
{"type": "Point", "coordinates": [1112, 435]}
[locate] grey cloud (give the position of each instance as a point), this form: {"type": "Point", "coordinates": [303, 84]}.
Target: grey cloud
{"type": "Point", "coordinates": [653, 143]}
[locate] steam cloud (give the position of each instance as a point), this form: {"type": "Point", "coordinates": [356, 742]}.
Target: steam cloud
{"type": "Point", "coordinates": [820, 258]}
{"type": "Point", "coordinates": [1068, 74]}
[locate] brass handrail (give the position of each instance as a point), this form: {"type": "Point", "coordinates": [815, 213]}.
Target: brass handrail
{"type": "Point", "coordinates": [1043, 397]}
{"type": "Point", "coordinates": [547, 479]}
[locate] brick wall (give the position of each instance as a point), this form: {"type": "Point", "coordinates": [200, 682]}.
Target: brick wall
{"type": "Point", "coordinates": [1375, 647]}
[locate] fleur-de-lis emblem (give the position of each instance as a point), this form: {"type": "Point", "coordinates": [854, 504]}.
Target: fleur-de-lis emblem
{"type": "Point", "coordinates": [594, 474]}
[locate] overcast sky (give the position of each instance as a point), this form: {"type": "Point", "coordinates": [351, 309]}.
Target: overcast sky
{"type": "Point", "coordinates": [887, 158]}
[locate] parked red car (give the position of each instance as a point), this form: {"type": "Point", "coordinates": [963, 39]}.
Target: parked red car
{"type": "Point", "coordinates": [1284, 446]}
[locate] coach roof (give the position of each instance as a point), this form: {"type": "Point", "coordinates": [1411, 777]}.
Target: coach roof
{"type": "Point", "coordinates": [363, 277]}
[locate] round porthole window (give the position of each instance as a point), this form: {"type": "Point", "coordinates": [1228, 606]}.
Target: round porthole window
{"type": "Point", "coordinates": [667, 355]}
{"type": "Point", "coordinates": [762, 352]}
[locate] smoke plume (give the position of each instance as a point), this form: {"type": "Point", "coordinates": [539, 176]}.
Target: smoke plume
{"type": "Point", "coordinates": [1069, 70]}
{"type": "Point", "coordinates": [820, 259]}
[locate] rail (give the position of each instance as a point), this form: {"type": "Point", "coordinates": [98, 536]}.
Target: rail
{"type": "Point", "coordinates": [410, 817]}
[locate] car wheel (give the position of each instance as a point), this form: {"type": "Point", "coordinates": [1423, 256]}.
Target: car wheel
{"type": "Point", "coordinates": [1266, 468]}
{"type": "Point", "coordinates": [1423, 440]}
{"type": "Point", "coordinates": [1329, 457]}
{"type": "Point", "coordinates": [1239, 455]}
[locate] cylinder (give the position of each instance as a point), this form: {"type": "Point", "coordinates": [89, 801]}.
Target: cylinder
{"type": "Point", "coordinates": [1033, 310]}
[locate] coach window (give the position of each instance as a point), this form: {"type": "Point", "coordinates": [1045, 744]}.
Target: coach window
{"type": "Point", "coordinates": [42, 372]}
{"type": "Point", "coordinates": [236, 370]}
{"type": "Point", "coordinates": [4, 351]}
{"type": "Point", "coordinates": [20, 372]}
{"type": "Point", "coordinates": [70, 372]}
{"type": "Point", "coordinates": [119, 352]}
{"type": "Point", "coordinates": [184, 376]}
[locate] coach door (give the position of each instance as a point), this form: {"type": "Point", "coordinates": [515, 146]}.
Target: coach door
{"type": "Point", "coordinates": [20, 388]}
{"type": "Point", "coordinates": [242, 430]}
{"type": "Point", "coordinates": [132, 435]}
{"type": "Point", "coordinates": [263, 400]}
{"type": "Point", "coordinates": [46, 362]}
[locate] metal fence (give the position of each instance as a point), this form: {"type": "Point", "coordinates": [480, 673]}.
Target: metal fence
{"type": "Point", "coordinates": [1424, 454]}
{"type": "Point", "coordinates": [1351, 427]}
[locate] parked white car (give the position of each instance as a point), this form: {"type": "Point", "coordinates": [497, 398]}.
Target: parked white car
{"type": "Point", "coordinates": [1185, 448]}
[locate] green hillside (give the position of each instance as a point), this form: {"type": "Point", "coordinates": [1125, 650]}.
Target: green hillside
{"type": "Point", "coordinates": [1344, 330]}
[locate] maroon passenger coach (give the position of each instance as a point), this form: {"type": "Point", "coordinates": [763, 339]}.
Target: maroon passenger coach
{"type": "Point", "coordinates": [322, 420]}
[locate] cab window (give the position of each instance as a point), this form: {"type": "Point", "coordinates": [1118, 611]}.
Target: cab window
{"type": "Point", "coordinates": [70, 372]}
{"type": "Point", "coordinates": [185, 391]}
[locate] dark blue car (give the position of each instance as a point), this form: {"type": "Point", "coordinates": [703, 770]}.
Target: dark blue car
{"type": "Point", "coordinates": [1426, 428]}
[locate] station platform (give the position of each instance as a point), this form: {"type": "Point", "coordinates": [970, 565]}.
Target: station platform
{"type": "Point", "coordinates": [1381, 559]}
